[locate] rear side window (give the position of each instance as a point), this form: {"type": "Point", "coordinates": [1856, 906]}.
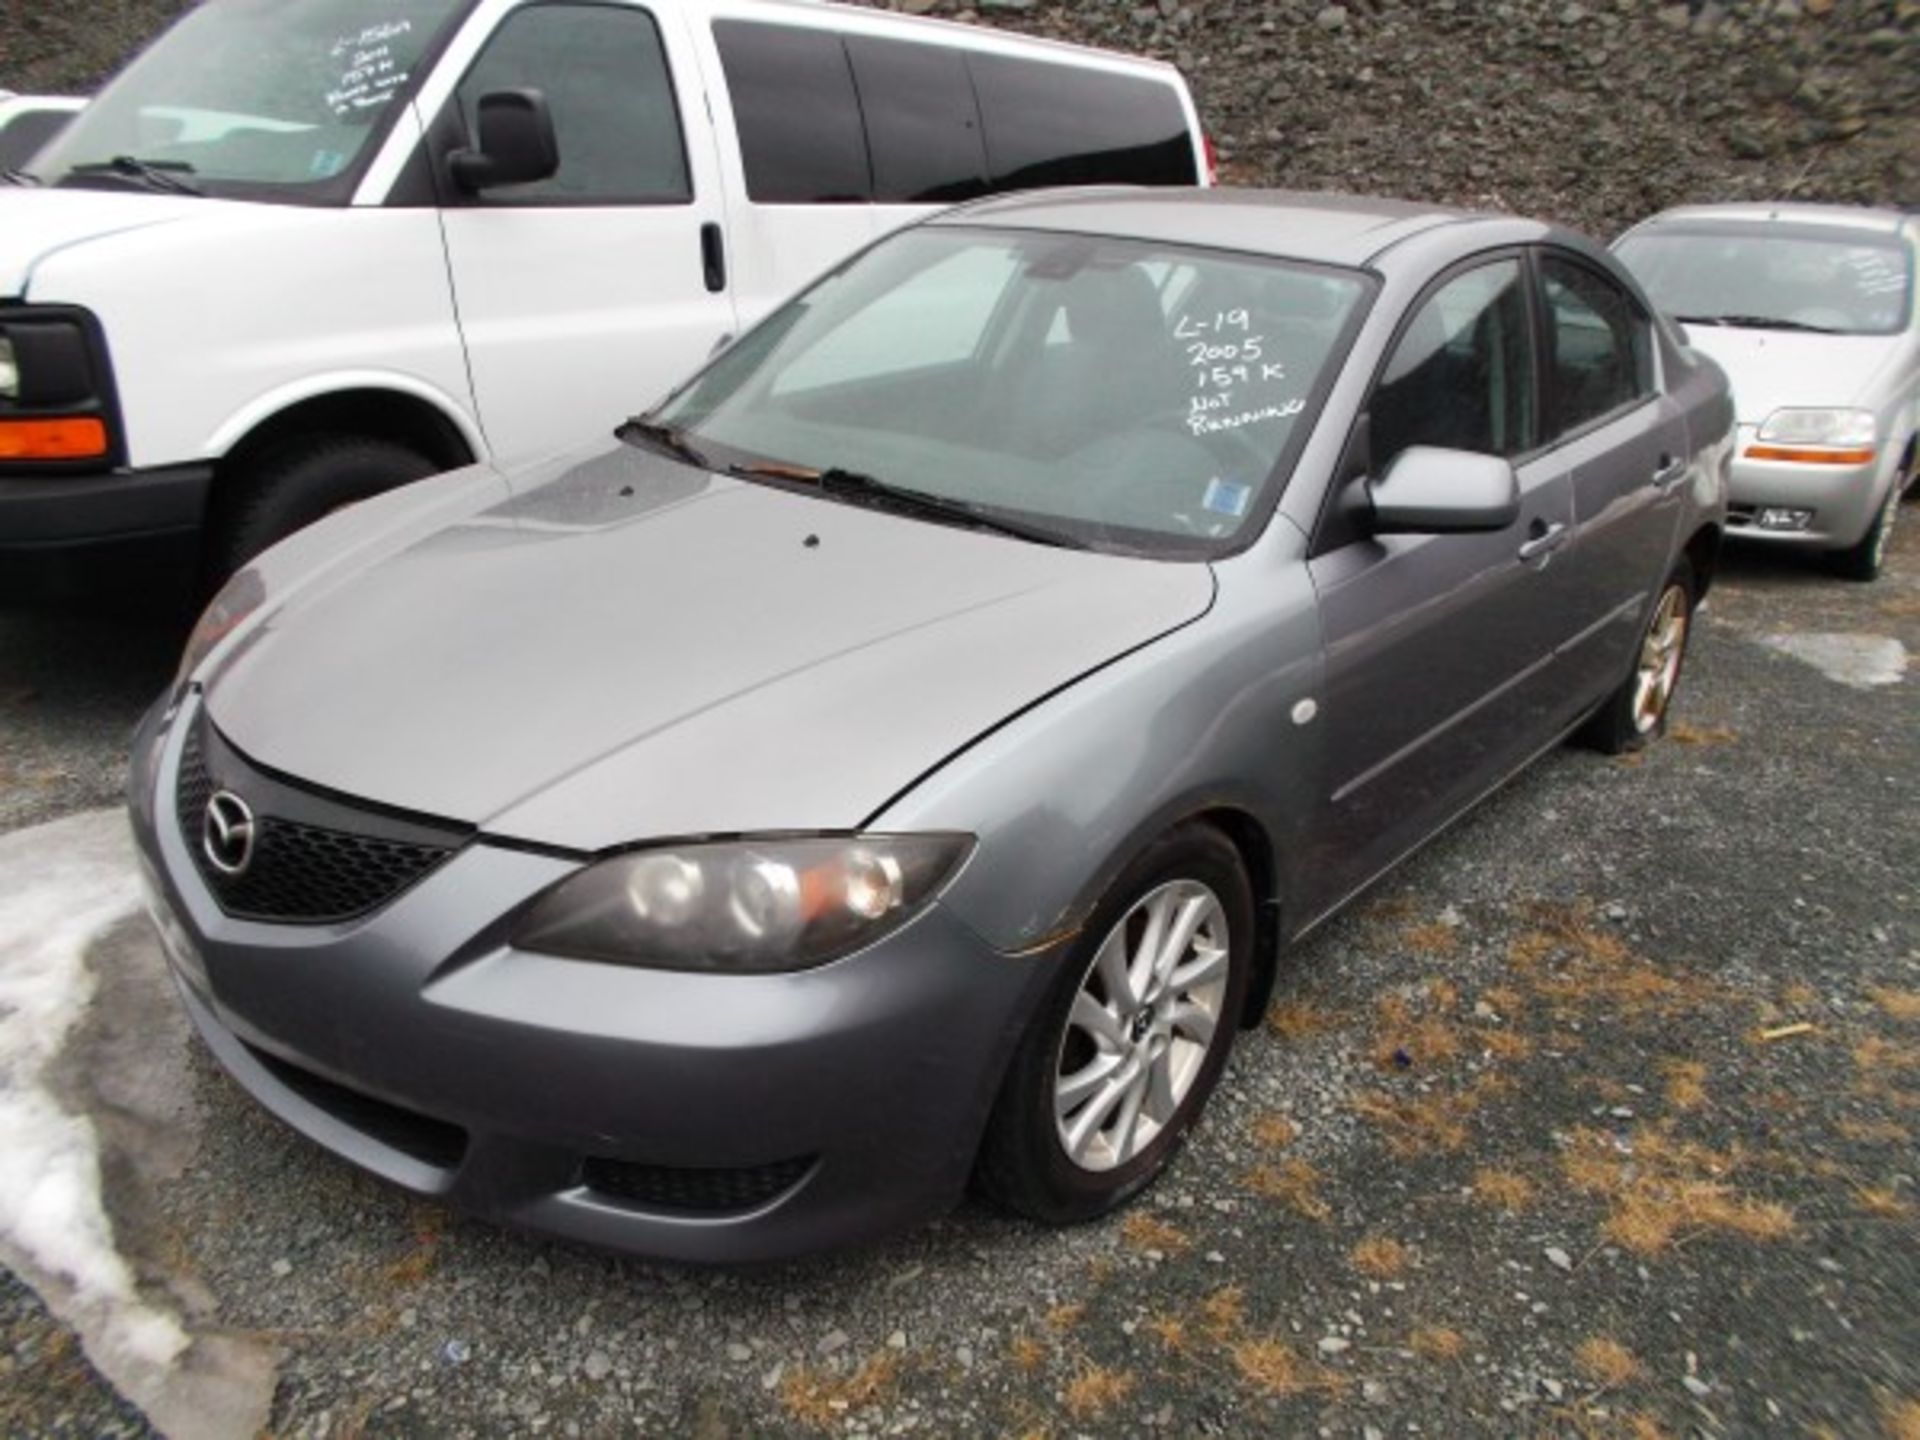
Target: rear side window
{"type": "Point", "coordinates": [794, 104]}
{"type": "Point", "coordinates": [923, 128]}
{"type": "Point", "coordinates": [1601, 350]}
{"type": "Point", "coordinates": [1072, 125]}
{"type": "Point", "coordinates": [605, 77]}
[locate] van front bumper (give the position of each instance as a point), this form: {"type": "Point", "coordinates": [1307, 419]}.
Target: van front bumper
{"type": "Point", "coordinates": [74, 536]}
{"type": "Point", "coordinates": [1831, 507]}
{"type": "Point", "coordinates": [693, 1117]}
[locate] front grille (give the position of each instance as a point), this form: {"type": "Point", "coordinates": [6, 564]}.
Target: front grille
{"type": "Point", "coordinates": [432, 1142]}
{"type": "Point", "coordinates": [299, 873]}
{"type": "Point", "coordinates": [709, 1190]}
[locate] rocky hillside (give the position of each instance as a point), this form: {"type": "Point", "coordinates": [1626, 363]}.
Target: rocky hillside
{"type": "Point", "coordinates": [1590, 111]}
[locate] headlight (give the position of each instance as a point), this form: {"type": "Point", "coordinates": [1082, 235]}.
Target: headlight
{"type": "Point", "coordinates": [1848, 428]}
{"type": "Point", "coordinates": [742, 907]}
{"type": "Point", "coordinates": [236, 600]}
{"type": "Point", "coordinates": [9, 371]}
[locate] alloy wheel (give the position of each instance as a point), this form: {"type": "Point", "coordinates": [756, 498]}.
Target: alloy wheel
{"type": "Point", "coordinates": [1660, 652]}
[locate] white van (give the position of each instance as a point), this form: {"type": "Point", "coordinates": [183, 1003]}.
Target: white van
{"type": "Point", "coordinates": [301, 251]}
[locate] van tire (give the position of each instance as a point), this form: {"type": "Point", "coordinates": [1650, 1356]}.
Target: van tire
{"type": "Point", "coordinates": [290, 487]}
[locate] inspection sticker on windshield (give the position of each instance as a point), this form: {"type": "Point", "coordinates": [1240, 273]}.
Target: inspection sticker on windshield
{"type": "Point", "coordinates": [1223, 497]}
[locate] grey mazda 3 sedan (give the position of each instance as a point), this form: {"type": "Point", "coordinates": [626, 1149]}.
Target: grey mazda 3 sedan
{"type": "Point", "coordinates": [900, 757]}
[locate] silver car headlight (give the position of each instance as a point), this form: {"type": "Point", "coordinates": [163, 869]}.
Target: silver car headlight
{"type": "Point", "coordinates": [1849, 429]}
{"type": "Point", "coordinates": [742, 907]}
{"type": "Point", "coordinates": [9, 371]}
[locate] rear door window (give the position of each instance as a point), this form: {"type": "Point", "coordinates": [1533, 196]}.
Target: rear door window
{"type": "Point", "coordinates": [923, 128]}
{"type": "Point", "coordinates": [1601, 349]}
{"type": "Point", "coordinates": [1052, 124]}
{"type": "Point", "coordinates": [798, 115]}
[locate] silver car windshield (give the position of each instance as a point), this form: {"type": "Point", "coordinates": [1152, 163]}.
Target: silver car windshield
{"type": "Point", "coordinates": [1853, 284]}
{"type": "Point", "coordinates": [267, 99]}
{"type": "Point", "coordinates": [1119, 394]}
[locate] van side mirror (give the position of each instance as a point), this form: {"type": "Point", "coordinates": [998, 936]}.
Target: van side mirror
{"type": "Point", "coordinates": [1430, 491]}
{"type": "Point", "coordinates": [516, 144]}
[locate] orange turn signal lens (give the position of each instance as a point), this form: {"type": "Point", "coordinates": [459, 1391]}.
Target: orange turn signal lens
{"type": "Point", "coordinates": [1859, 455]}
{"type": "Point", "coordinates": [70, 439]}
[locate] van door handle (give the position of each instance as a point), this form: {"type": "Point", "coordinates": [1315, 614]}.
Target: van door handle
{"type": "Point", "coordinates": [1670, 470]}
{"type": "Point", "coordinates": [1542, 539]}
{"type": "Point", "coordinates": [713, 257]}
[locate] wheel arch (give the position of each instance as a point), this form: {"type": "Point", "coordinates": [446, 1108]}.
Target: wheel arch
{"type": "Point", "coordinates": [1257, 852]}
{"type": "Point", "coordinates": [380, 409]}
{"type": "Point", "coordinates": [1702, 552]}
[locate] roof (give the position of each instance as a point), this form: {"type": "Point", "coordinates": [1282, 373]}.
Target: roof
{"type": "Point", "coordinates": [1329, 229]}
{"type": "Point", "coordinates": [1783, 212]}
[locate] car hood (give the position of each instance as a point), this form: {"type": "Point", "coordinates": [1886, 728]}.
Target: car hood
{"type": "Point", "coordinates": [631, 648]}
{"type": "Point", "coordinates": [1770, 369]}
{"type": "Point", "coordinates": [34, 223]}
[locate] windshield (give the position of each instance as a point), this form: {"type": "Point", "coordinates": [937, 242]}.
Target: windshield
{"type": "Point", "coordinates": [1848, 284]}
{"type": "Point", "coordinates": [264, 99]}
{"type": "Point", "coordinates": [1129, 396]}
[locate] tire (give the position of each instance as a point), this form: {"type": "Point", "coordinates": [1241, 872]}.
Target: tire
{"type": "Point", "coordinates": [1866, 560]}
{"type": "Point", "coordinates": [1636, 714]}
{"type": "Point", "coordinates": [292, 487]}
{"type": "Point", "coordinates": [1024, 1161]}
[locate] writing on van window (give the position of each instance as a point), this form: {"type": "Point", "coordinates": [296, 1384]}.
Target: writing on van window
{"type": "Point", "coordinates": [1227, 356]}
{"type": "Point", "coordinates": [369, 73]}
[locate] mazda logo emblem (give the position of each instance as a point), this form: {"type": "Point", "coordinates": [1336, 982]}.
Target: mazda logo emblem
{"type": "Point", "coordinates": [226, 835]}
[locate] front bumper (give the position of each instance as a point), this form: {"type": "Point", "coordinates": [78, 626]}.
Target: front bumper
{"type": "Point", "coordinates": [1843, 499]}
{"type": "Point", "coordinates": [688, 1117]}
{"type": "Point", "coordinates": [72, 536]}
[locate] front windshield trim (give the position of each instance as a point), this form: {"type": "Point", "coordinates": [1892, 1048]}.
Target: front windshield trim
{"type": "Point", "coordinates": [1109, 538]}
{"type": "Point", "coordinates": [1801, 232]}
{"type": "Point", "coordinates": [335, 191]}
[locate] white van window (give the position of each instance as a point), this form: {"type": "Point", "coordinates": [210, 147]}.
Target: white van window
{"type": "Point", "coordinates": [801, 139]}
{"type": "Point", "coordinates": [923, 127]}
{"type": "Point", "coordinates": [255, 100]}
{"type": "Point", "coordinates": [1075, 125]}
{"type": "Point", "coordinates": [605, 77]}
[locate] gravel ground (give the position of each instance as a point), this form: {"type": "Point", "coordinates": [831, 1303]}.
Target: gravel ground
{"type": "Point", "coordinates": [1525, 1147]}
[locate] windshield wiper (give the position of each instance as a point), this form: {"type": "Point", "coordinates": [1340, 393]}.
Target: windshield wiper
{"type": "Point", "coordinates": [670, 438]}
{"type": "Point", "coordinates": [853, 485]}
{"type": "Point", "coordinates": [168, 175]}
{"type": "Point", "coordinates": [19, 177]}
{"type": "Point", "coordinates": [1757, 322]}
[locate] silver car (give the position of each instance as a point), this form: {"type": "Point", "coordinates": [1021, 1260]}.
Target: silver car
{"type": "Point", "coordinates": [1810, 310]}
{"type": "Point", "coordinates": [900, 757]}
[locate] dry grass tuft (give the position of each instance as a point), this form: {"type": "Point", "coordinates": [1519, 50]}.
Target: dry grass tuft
{"type": "Point", "coordinates": [1275, 1131]}
{"type": "Point", "coordinates": [1096, 1390]}
{"type": "Point", "coordinates": [1681, 733]}
{"type": "Point", "coordinates": [1799, 996]}
{"type": "Point", "coordinates": [1381, 1256]}
{"type": "Point", "coordinates": [1883, 1201]}
{"type": "Point", "coordinates": [1508, 1045]}
{"type": "Point", "coordinates": [1902, 1419]}
{"type": "Point", "coordinates": [1504, 999]}
{"type": "Point", "coordinates": [1148, 1232]}
{"type": "Point", "coordinates": [1686, 1084]}
{"type": "Point", "coordinates": [1224, 1312]}
{"type": "Point", "coordinates": [1401, 1036]}
{"type": "Point", "coordinates": [1431, 939]}
{"type": "Point", "coordinates": [1667, 1190]}
{"type": "Point", "coordinates": [1062, 1318]}
{"type": "Point", "coordinates": [1437, 1343]}
{"type": "Point", "coordinates": [1421, 1124]}
{"type": "Point", "coordinates": [1296, 1019]}
{"type": "Point", "coordinates": [1503, 1189]}
{"type": "Point", "coordinates": [1877, 1057]}
{"type": "Point", "coordinates": [1606, 1362]}
{"type": "Point", "coordinates": [1875, 1132]}
{"type": "Point", "coordinates": [1294, 1182]}
{"type": "Point", "coordinates": [1170, 1330]}
{"type": "Point", "coordinates": [1270, 1365]}
{"type": "Point", "coordinates": [822, 1399]}
{"type": "Point", "coordinates": [1900, 1004]}
{"type": "Point", "coordinates": [1028, 1352]}
{"type": "Point", "coordinates": [1643, 1427]}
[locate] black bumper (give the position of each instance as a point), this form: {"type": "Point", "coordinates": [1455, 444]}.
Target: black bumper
{"type": "Point", "coordinates": [70, 537]}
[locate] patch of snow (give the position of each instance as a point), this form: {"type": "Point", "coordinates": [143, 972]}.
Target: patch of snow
{"type": "Point", "coordinates": [1862, 661]}
{"type": "Point", "coordinates": [61, 885]}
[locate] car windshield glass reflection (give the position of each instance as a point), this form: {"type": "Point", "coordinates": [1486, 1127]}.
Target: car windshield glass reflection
{"type": "Point", "coordinates": [1855, 285]}
{"type": "Point", "coordinates": [1118, 394]}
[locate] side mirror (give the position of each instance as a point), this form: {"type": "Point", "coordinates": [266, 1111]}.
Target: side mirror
{"type": "Point", "coordinates": [1429, 491]}
{"type": "Point", "coordinates": [516, 144]}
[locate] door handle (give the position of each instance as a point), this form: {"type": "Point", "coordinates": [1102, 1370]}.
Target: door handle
{"type": "Point", "coordinates": [1670, 470]}
{"type": "Point", "coordinates": [713, 257]}
{"type": "Point", "coordinates": [1542, 539]}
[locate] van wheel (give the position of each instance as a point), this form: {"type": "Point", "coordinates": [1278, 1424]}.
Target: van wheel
{"type": "Point", "coordinates": [1866, 560]}
{"type": "Point", "coordinates": [1131, 1038]}
{"type": "Point", "coordinates": [292, 487]}
{"type": "Point", "coordinates": [1636, 713]}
